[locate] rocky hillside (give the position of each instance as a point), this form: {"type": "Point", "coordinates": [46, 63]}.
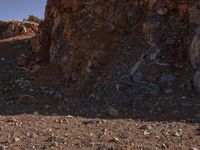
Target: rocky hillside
{"type": "Point", "coordinates": [88, 39]}
{"type": "Point", "coordinates": [13, 28]}
{"type": "Point", "coordinates": [104, 75]}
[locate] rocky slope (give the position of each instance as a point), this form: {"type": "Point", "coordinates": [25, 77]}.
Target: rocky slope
{"type": "Point", "coordinates": [94, 41]}
{"type": "Point", "coordinates": [38, 113]}
{"type": "Point", "coordinates": [131, 78]}
{"type": "Point", "coordinates": [13, 28]}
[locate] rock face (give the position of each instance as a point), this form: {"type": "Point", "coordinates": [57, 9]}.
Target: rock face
{"type": "Point", "coordinates": [195, 59]}
{"type": "Point", "coordinates": [12, 28]}
{"type": "Point", "coordinates": [83, 38]}
{"type": "Point", "coordinates": [195, 49]}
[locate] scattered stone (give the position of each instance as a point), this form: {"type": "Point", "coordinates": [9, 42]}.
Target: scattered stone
{"type": "Point", "coordinates": [12, 120]}
{"type": "Point", "coordinates": [16, 139]}
{"type": "Point", "coordinates": [69, 116]}
{"type": "Point", "coordinates": [164, 146]}
{"type": "Point", "coordinates": [177, 134]}
{"type": "Point", "coordinates": [27, 100]}
{"type": "Point", "coordinates": [56, 138]}
{"type": "Point", "coordinates": [162, 11]}
{"type": "Point", "coordinates": [36, 113]}
{"type": "Point", "coordinates": [114, 140]}
{"type": "Point", "coordinates": [171, 40]}
{"type": "Point", "coordinates": [146, 126]}
{"type": "Point", "coordinates": [146, 133]}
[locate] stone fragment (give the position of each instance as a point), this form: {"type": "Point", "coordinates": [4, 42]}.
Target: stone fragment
{"type": "Point", "coordinates": [114, 140]}
{"type": "Point", "coordinates": [167, 77]}
{"type": "Point", "coordinates": [171, 40]}
{"type": "Point", "coordinates": [146, 133]}
{"type": "Point", "coordinates": [162, 11]}
{"type": "Point", "coordinates": [16, 139]}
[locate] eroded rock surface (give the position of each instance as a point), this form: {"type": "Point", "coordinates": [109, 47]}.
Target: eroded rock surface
{"type": "Point", "coordinates": [92, 40]}
{"type": "Point", "coordinates": [13, 28]}
{"type": "Point", "coordinates": [195, 49]}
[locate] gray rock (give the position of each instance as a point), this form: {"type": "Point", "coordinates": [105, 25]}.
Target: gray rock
{"type": "Point", "coordinates": [167, 77]}
{"type": "Point", "coordinates": [112, 111]}
{"type": "Point", "coordinates": [171, 40]}
{"type": "Point", "coordinates": [169, 91]}
{"type": "Point", "coordinates": [162, 11]}
{"type": "Point", "coordinates": [194, 49]}
{"type": "Point", "coordinates": [196, 81]}
{"type": "Point", "coordinates": [154, 36]}
{"type": "Point", "coordinates": [152, 89]}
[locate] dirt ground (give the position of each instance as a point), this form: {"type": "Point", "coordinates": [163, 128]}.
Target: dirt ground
{"type": "Point", "coordinates": [53, 119]}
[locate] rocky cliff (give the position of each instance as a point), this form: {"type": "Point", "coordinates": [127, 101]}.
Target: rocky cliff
{"type": "Point", "coordinates": [89, 39]}
{"type": "Point", "coordinates": [13, 28]}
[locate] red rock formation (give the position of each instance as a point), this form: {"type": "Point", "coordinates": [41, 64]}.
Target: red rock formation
{"type": "Point", "coordinates": [82, 37]}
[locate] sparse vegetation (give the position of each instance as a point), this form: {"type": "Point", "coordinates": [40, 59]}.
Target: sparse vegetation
{"type": "Point", "coordinates": [34, 19]}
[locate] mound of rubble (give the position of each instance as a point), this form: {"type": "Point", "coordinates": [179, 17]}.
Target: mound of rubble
{"type": "Point", "coordinates": [123, 51]}
{"type": "Point", "coordinates": [13, 28]}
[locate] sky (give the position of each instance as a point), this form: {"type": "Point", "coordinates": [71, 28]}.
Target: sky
{"type": "Point", "coordinates": [21, 9]}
